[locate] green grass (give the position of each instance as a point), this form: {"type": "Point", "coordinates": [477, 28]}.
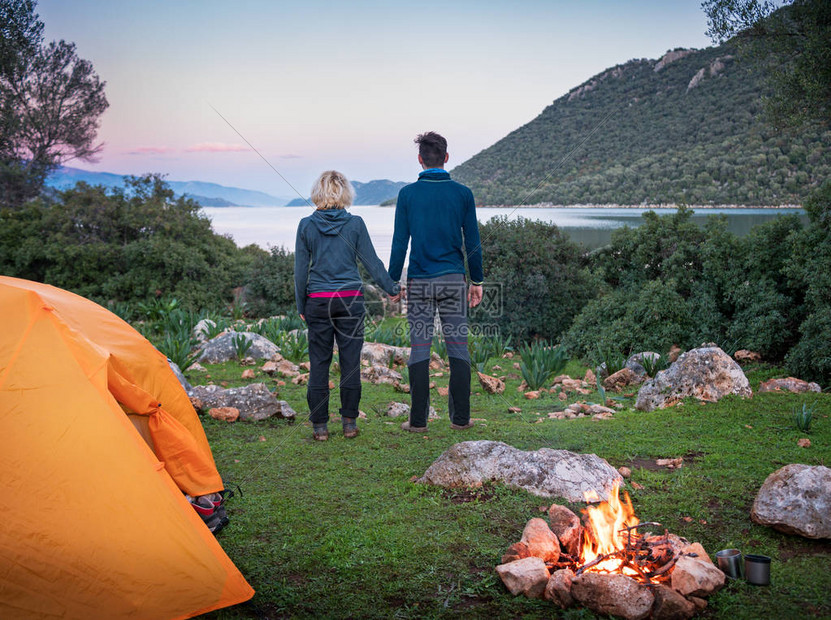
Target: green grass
{"type": "Point", "coordinates": [339, 530]}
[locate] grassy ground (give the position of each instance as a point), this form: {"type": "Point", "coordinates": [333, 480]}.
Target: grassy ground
{"type": "Point", "coordinates": [339, 529]}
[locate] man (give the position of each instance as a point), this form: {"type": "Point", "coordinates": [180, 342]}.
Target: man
{"type": "Point", "coordinates": [438, 215]}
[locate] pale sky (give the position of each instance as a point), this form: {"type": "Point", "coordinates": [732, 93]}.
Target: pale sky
{"type": "Point", "coordinates": [340, 85]}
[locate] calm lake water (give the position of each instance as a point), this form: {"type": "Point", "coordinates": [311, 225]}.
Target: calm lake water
{"type": "Point", "coordinates": [591, 226]}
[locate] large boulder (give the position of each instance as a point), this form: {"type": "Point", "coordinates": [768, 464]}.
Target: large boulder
{"type": "Point", "coordinates": [545, 472]}
{"type": "Point", "coordinates": [789, 384]}
{"type": "Point", "coordinates": [796, 499]}
{"type": "Point", "coordinates": [706, 373]}
{"type": "Point", "coordinates": [221, 349]}
{"type": "Point", "coordinates": [254, 401]}
{"type": "Point", "coordinates": [380, 354]}
{"type": "Point", "coordinates": [180, 376]}
{"type": "Point", "coordinates": [380, 374]}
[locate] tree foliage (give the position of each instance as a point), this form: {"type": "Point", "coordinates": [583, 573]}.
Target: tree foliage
{"type": "Point", "coordinates": [688, 129]}
{"type": "Point", "coordinates": [50, 104]}
{"type": "Point", "coordinates": [538, 274]}
{"type": "Point", "coordinates": [127, 245]}
{"type": "Point", "coordinates": [793, 43]}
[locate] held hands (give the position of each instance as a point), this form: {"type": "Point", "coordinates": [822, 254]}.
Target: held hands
{"type": "Point", "coordinates": [474, 295]}
{"type": "Point", "coordinates": [402, 295]}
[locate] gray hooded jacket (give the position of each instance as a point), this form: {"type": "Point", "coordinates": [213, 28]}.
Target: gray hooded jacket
{"type": "Point", "coordinates": [329, 244]}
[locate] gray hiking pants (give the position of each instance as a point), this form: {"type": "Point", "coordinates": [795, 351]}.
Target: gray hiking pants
{"type": "Point", "coordinates": [446, 295]}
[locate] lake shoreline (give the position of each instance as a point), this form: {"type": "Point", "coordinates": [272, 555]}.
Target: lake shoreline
{"type": "Point", "coordinates": [673, 206]}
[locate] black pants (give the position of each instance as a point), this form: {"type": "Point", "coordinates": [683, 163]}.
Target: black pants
{"type": "Point", "coordinates": [333, 319]}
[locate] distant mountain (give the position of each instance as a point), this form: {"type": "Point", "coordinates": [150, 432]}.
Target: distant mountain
{"type": "Point", "coordinates": [685, 128]}
{"type": "Point", "coordinates": [204, 193]}
{"type": "Point", "coordinates": [370, 193]}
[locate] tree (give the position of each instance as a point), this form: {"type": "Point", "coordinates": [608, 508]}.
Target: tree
{"type": "Point", "coordinates": [50, 104]}
{"type": "Point", "coordinates": [795, 43]}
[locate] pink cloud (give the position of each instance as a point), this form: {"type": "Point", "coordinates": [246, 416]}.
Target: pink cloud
{"type": "Point", "coordinates": [150, 150]}
{"type": "Point", "coordinates": [216, 147]}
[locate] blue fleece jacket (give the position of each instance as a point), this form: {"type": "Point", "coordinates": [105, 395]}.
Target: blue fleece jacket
{"type": "Point", "coordinates": [329, 243]}
{"type": "Point", "coordinates": [438, 214]}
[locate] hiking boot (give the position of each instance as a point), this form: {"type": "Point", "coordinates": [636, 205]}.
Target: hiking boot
{"type": "Point", "coordinates": [320, 432]}
{"type": "Point", "coordinates": [350, 428]}
{"type": "Point", "coordinates": [461, 427]}
{"type": "Point", "coordinates": [413, 429]}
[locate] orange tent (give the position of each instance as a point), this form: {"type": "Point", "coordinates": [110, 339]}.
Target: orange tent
{"type": "Point", "coordinates": [95, 522]}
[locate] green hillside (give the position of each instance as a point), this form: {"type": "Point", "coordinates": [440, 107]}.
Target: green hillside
{"type": "Point", "coordinates": [686, 128]}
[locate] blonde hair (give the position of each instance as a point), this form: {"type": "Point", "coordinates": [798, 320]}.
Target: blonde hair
{"type": "Point", "coordinates": [332, 191]}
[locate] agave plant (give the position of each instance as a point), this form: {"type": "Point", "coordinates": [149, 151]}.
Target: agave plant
{"type": "Point", "coordinates": [803, 417]}
{"type": "Point", "coordinates": [178, 350]}
{"type": "Point", "coordinates": [242, 344]}
{"type": "Point", "coordinates": [480, 352]}
{"type": "Point", "coordinates": [653, 364]}
{"type": "Point", "coordinates": [611, 359]}
{"type": "Point", "coordinates": [294, 345]}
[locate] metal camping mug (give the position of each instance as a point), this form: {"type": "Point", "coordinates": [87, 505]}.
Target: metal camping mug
{"type": "Point", "coordinates": [730, 562]}
{"type": "Point", "coordinates": [757, 569]}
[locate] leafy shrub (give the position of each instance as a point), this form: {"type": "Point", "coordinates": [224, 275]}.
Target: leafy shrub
{"type": "Point", "coordinates": [541, 274]}
{"type": "Point", "coordinates": [809, 266]}
{"type": "Point", "coordinates": [294, 345]}
{"type": "Point", "coordinates": [180, 351]}
{"type": "Point", "coordinates": [269, 288]}
{"type": "Point", "coordinates": [129, 244]}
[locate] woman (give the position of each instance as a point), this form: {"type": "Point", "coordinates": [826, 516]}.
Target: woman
{"type": "Point", "coordinates": [329, 295]}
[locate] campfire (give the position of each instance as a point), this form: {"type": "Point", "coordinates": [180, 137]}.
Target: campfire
{"type": "Point", "coordinates": [610, 562]}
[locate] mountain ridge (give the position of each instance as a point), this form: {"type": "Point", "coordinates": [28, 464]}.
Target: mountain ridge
{"type": "Point", "coordinates": [686, 128]}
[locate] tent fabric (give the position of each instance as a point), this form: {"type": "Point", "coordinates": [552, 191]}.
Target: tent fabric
{"type": "Point", "coordinates": [95, 522]}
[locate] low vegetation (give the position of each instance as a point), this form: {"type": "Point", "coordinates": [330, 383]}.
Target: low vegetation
{"type": "Point", "coordinates": [340, 529]}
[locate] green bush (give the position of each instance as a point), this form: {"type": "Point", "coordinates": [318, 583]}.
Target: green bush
{"type": "Point", "coordinates": [542, 276]}
{"type": "Point", "coordinates": [128, 244]}
{"type": "Point", "coordinates": [270, 283]}
{"type": "Point", "coordinates": [809, 267]}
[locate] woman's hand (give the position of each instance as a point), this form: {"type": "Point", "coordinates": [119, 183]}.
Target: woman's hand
{"type": "Point", "coordinates": [303, 318]}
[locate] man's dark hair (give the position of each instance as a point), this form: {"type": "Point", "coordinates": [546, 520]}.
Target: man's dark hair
{"type": "Point", "coordinates": [432, 147]}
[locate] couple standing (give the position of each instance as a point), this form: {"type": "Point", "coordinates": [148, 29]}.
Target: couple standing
{"type": "Point", "coordinates": [439, 216]}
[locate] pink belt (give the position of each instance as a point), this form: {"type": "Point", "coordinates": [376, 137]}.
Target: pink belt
{"type": "Point", "coordinates": [338, 294]}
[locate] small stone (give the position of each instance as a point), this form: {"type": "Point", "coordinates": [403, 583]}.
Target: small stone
{"type": "Point", "coordinates": [562, 396]}
{"type": "Point", "coordinates": [624, 471]}
{"type": "Point", "coordinates": [670, 605]}
{"type": "Point", "coordinates": [331, 385]}
{"type": "Point", "coordinates": [804, 443]}
{"type": "Point", "coordinates": [301, 379]}
{"type": "Point", "coordinates": [590, 378]}
{"type": "Point", "coordinates": [442, 391]}
{"type": "Point", "coordinates": [616, 595]}
{"type": "Point", "coordinates": [248, 373]}
{"type": "Point", "coordinates": [517, 366]}
{"type": "Point", "coordinates": [566, 527]}
{"type": "Point", "coordinates": [743, 355]}
{"type": "Point", "coordinates": [491, 385]}
{"type": "Point", "coordinates": [305, 366]}
{"type": "Point", "coordinates": [541, 541]}
{"type": "Point", "coordinates": [674, 354]}
{"type": "Point", "coordinates": [197, 367]}
{"type": "Point", "coordinates": [226, 414]}
{"type": "Point", "coordinates": [514, 410]}
{"type": "Point", "coordinates": [515, 552]}
{"type": "Point", "coordinates": [527, 576]}
{"type": "Point", "coordinates": [269, 368]}
{"type": "Point", "coordinates": [696, 576]}
{"type": "Point", "coordinates": [558, 588]}
{"type": "Point", "coordinates": [533, 395]}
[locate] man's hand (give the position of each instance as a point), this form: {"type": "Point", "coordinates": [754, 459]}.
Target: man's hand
{"type": "Point", "coordinates": [474, 295]}
{"type": "Point", "coordinates": [395, 298]}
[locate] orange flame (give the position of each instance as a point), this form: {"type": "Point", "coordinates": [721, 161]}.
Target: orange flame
{"type": "Point", "coordinates": [605, 531]}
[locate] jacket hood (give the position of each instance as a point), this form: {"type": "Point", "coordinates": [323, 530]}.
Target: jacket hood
{"type": "Point", "coordinates": [330, 221]}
